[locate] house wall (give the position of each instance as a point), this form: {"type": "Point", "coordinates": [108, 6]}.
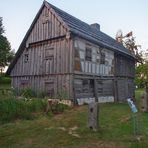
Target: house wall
{"type": "Point", "coordinates": [46, 63]}
{"type": "Point", "coordinates": [113, 78]}
{"type": "Point", "coordinates": [92, 67]}
{"type": "Point", "coordinates": [47, 26]}
{"type": "Point", "coordinates": [52, 57]}
{"type": "Point", "coordinates": [124, 74]}
{"type": "Point", "coordinates": [53, 61]}
{"type": "Point", "coordinates": [87, 73]}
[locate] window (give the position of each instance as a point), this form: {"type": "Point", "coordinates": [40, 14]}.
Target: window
{"type": "Point", "coordinates": [24, 82]}
{"type": "Point", "coordinates": [49, 65]}
{"type": "Point", "coordinates": [98, 57]}
{"type": "Point", "coordinates": [88, 85]}
{"type": "Point", "coordinates": [76, 53]}
{"type": "Point", "coordinates": [49, 88]}
{"type": "Point", "coordinates": [88, 55]}
{"type": "Point", "coordinates": [102, 59]}
{"type": "Point", "coordinates": [49, 52]}
{"type": "Point", "coordinates": [49, 60]}
{"type": "Point", "coordinates": [26, 58]}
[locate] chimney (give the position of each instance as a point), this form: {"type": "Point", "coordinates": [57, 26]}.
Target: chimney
{"type": "Point", "coordinates": [95, 26]}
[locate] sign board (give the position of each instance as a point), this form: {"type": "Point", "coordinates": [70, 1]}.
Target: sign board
{"type": "Point", "coordinates": [132, 105]}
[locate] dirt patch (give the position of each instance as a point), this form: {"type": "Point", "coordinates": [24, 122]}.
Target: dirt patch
{"type": "Point", "coordinates": [103, 144]}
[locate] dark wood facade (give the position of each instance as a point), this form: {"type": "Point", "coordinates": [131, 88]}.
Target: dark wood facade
{"type": "Point", "coordinates": [58, 56]}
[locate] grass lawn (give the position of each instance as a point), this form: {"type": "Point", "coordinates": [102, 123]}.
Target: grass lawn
{"type": "Point", "coordinates": [69, 130]}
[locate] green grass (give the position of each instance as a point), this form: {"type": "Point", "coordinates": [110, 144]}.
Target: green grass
{"type": "Point", "coordinates": [115, 125]}
{"type": "Point", "coordinates": [12, 109]}
{"type": "Point", "coordinates": [116, 130]}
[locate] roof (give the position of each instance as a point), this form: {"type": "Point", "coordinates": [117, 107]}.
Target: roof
{"type": "Point", "coordinates": [84, 30]}
{"type": "Point", "coordinates": [78, 28]}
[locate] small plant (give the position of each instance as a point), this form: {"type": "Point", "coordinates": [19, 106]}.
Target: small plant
{"type": "Point", "coordinates": [5, 80]}
{"type": "Point", "coordinates": [41, 94]}
{"type": "Point", "coordinates": [63, 94]}
{"type": "Point", "coordinates": [58, 108]}
{"type": "Point", "coordinates": [24, 92]}
{"type": "Point", "coordinates": [28, 92]}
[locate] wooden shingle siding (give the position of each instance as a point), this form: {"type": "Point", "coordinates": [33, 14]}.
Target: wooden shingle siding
{"type": "Point", "coordinates": [123, 66]}
{"type": "Point", "coordinates": [58, 83]}
{"type": "Point", "coordinates": [125, 89]}
{"type": "Point", "coordinates": [47, 26]}
{"type": "Point", "coordinates": [85, 87]}
{"type": "Point", "coordinates": [39, 63]}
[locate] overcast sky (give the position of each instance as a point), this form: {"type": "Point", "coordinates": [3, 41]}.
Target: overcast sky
{"type": "Point", "coordinates": [112, 15]}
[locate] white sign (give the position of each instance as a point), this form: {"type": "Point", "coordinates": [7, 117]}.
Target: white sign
{"type": "Point", "coordinates": [132, 105]}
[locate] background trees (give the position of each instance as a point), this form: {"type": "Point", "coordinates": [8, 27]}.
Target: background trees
{"type": "Point", "coordinates": [6, 54]}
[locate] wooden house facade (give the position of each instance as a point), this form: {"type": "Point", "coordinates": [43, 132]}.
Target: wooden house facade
{"type": "Point", "coordinates": [60, 54]}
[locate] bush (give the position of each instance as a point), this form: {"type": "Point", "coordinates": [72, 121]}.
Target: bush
{"type": "Point", "coordinates": [28, 92]}
{"type": "Point", "coordinates": [11, 109]}
{"type": "Point", "coordinates": [5, 80]}
{"type": "Point", "coordinates": [58, 108]}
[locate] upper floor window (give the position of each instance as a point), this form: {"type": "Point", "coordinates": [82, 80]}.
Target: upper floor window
{"type": "Point", "coordinates": [26, 58]}
{"type": "Point", "coordinates": [49, 52]}
{"type": "Point", "coordinates": [102, 58]}
{"type": "Point", "coordinates": [88, 55]}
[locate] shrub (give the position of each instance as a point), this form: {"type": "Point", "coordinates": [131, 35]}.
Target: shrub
{"type": "Point", "coordinates": [28, 92]}
{"type": "Point", "coordinates": [5, 80]}
{"type": "Point", "coordinates": [58, 108]}
{"type": "Point", "coordinates": [11, 109]}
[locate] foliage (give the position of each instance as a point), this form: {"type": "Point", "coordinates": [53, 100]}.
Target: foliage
{"type": "Point", "coordinates": [63, 94]}
{"type": "Point", "coordinates": [58, 108]}
{"type": "Point", "coordinates": [28, 92]}
{"type": "Point", "coordinates": [6, 55]}
{"type": "Point", "coordinates": [1, 26]}
{"type": "Point", "coordinates": [11, 109]}
{"type": "Point", "coordinates": [5, 80]}
{"type": "Point", "coordinates": [130, 43]}
{"type": "Point", "coordinates": [23, 108]}
{"type": "Point", "coordinates": [141, 75]}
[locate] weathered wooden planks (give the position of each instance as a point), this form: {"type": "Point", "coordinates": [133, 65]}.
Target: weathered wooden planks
{"type": "Point", "coordinates": [92, 67]}
{"type": "Point", "coordinates": [47, 26]}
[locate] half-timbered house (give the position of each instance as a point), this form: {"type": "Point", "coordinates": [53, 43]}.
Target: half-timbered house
{"type": "Point", "coordinates": [61, 54]}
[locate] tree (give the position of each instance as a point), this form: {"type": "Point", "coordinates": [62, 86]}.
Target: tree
{"type": "Point", "coordinates": [130, 43]}
{"type": "Point", "coordinates": [6, 55]}
{"type": "Point", "coordinates": [142, 72]}
{"type": "Point", "coordinates": [1, 26]}
{"type": "Point", "coordinates": [141, 78]}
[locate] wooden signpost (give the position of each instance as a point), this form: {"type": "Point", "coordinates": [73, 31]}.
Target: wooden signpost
{"type": "Point", "coordinates": [93, 111]}
{"type": "Point", "coordinates": [93, 116]}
